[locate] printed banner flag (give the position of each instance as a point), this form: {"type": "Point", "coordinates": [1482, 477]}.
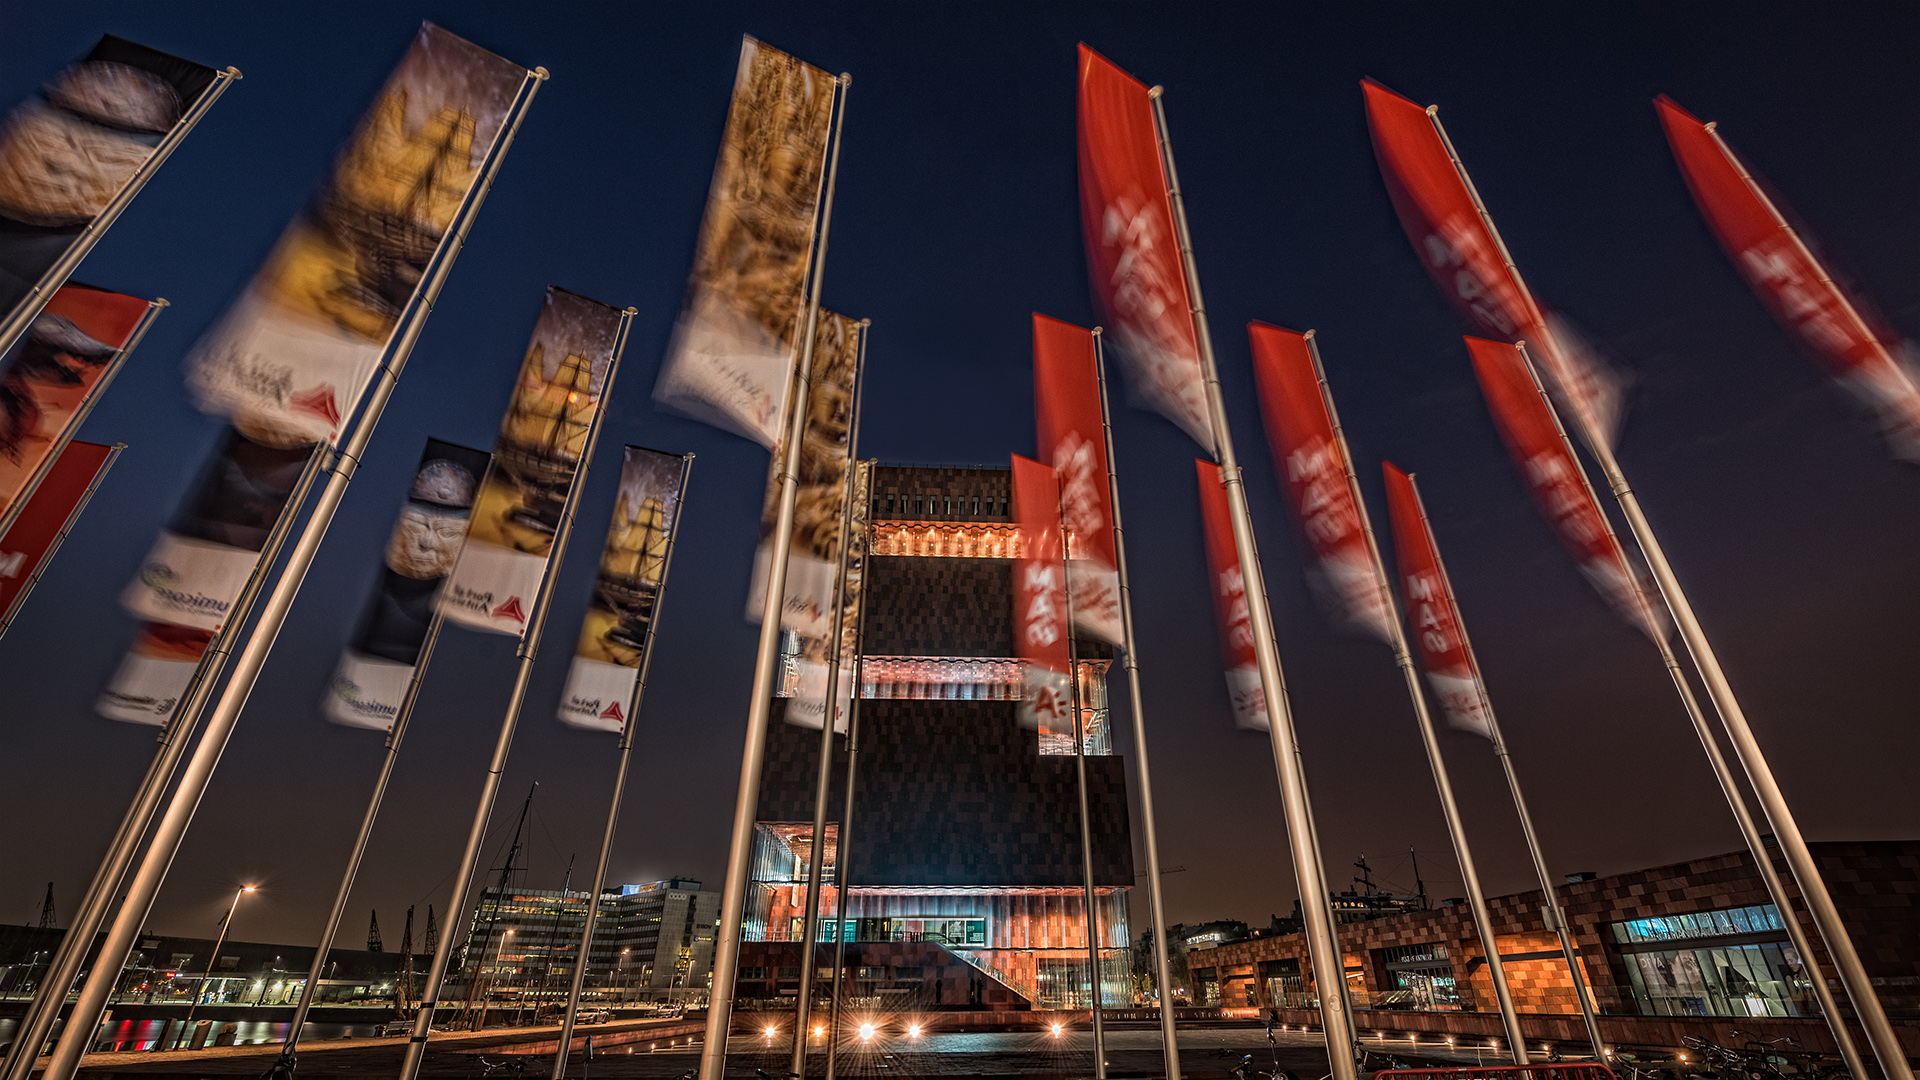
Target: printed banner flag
{"type": "Point", "coordinates": [31, 539]}
{"type": "Point", "coordinates": [732, 358]}
{"type": "Point", "coordinates": [1454, 242]}
{"type": "Point", "coordinates": [370, 684]}
{"type": "Point", "coordinates": [822, 471]}
{"type": "Point", "coordinates": [154, 675]}
{"type": "Point", "coordinates": [535, 460]}
{"type": "Point", "coordinates": [1432, 611]}
{"type": "Point", "coordinates": [1244, 691]}
{"type": "Point", "coordinates": [68, 151]}
{"type": "Point", "coordinates": [1133, 251]}
{"type": "Point", "coordinates": [633, 567]}
{"type": "Point", "coordinates": [1040, 603]}
{"type": "Point", "coordinates": [196, 569]}
{"type": "Point", "coordinates": [808, 705]}
{"type": "Point", "coordinates": [1311, 463]}
{"type": "Point", "coordinates": [47, 378]}
{"type": "Point", "coordinates": [1791, 282]}
{"type": "Point", "coordinates": [1072, 438]}
{"type": "Point", "coordinates": [295, 351]}
{"type": "Point", "coordinates": [1532, 434]}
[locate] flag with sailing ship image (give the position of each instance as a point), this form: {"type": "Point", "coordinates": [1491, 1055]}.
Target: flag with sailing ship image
{"type": "Point", "coordinates": [822, 473]}
{"type": "Point", "coordinates": [370, 684]}
{"type": "Point", "coordinates": [295, 351]}
{"type": "Point", "coordinates": [67, 152]}
{"type": "Point", "coordinates": [732, 358]}
{"type": "Point", "coordinates": [517, 511]}
{"type": "Point", "coordinates": [47, 378]}
{"type": "Point", "coordinates": [633, 567]}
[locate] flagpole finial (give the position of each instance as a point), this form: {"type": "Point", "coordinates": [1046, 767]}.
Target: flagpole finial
{"type": "Point", "coordinates": [1433, 110]}
{"type": "Point", "coordinates": [846, 79]}
{"type": "Point", "coordinates": [631, 310]}
{"type": "Point", "coordinates": [542, 74]}
{"type": "Point", "coordinates": [864, 323]}
{"type": "Point", "coordinates": [159, 301]}
{"type": "Point", "coordinates": [1309, 334]}
{"type": "Point", "coordinates": [234, 73]}
{"type": "Point", "coordinates": [1156, 91]}
{"type": "Point", "coordinates": [1712, 124]}
{"type": "Point", "coordinates": [1098, 331]}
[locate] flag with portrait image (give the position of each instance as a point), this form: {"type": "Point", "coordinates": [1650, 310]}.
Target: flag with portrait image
{"type": "Point", "coordinates": [535, 460]}
{"type": "Point", "coordinates": [295, 351]}
{"type": "Point", "coordinates": [370, 682]}
{"type": "Point", "coordinates": [732, 358]}
{"type": "Point", "coordinates": [1071, 434]}
{"type": "Point", "coordinates": [1133, 251]}
{"type": "Point", "coordinates": [1432, 612]}
{"type": "Point", "coordinates": [1245, 694]}
{"type": "Point", "coordinates": [633, 567]}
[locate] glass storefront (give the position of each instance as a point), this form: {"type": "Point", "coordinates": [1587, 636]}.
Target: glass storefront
{"type": "Point", "coordinates": [1732, 962]}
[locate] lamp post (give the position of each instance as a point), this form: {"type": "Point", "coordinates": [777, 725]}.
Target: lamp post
{"type": "Point", "coordinates": [225, 925]}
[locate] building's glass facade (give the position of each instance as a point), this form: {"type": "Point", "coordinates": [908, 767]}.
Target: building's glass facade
{"type": "Point", "coordinates": [650, 942]}
{"type": "Point", "coordinates": [1731, 962]}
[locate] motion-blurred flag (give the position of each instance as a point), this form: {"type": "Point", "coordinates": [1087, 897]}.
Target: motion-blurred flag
{"type": "Point", "coordinates": [1432, 612]}
{"type": "Point", "coordinates": [1133, 252]}
{"type": "Point", "coordinates": [511, 530]}
{"type": "Point", "coordinates": [732, 358]}
{"type": "Point", "coordinates": [1459, 248]}
{"type": "Point", "coordinates": [1244, 691]}
{"type": "Point", "coordinates": [1533, 437]}
{"type": "Point", "coordinates": [46, 379]}
{"type": "Point", "coordinates": [1072, 438]}
{"type": "Point", "coordinates": [1791, 282]}
{"type": "Point", "coordinates": [37, 531]}
{"type": "Point", "coordinates": [68, 151]}
{"type": "Point", "coordinates": [370, 684]}
{"type": "Point", "coordinates": [1040, 628]}
{"type": "Point", "coordinates": [154, 675]}
{"type": "Point", "coordinates": [633, 567]}
{"type": "Point", "coordinates": [295, 351]}
{"type": "Point", "coordinates": [202, 559]}
{"type": "Point", "coordinates": [1310, 462]}
{"type": "Point", "coordinates": [807, 705]}
{"type": "Point", "coordinates": [814, 554]}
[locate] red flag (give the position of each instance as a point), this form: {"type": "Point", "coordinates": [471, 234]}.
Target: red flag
{"type": "Point", "coordinates": [1454, 242]}
{"type": "Point", "coordinates": [1071, 435]}
{"type": "Point", "coordinates": [1133, 252]}
{"type": "Point", "coordinates": [1789, 280]}
{"type": "Point", "coordinates": [1248, 697]}
{"type": "Point", "coordinates": [1552, 473]}
{"type": "Point", "coordinates": [1040, 602]}
{"type": "Point", "coordinates": [1431, 610]}
{"type": "Point", "coordinates": [1312, 465]}
{"type": "Point", "coordinates": [36, 532]}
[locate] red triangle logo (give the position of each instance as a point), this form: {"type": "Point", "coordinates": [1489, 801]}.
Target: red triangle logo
{"type": "Point", "coordinates": [318, 401]}
{"type": "Point", "coordinates": [511, 610]}
{"type": "Point", "coordinates": [612, 712]}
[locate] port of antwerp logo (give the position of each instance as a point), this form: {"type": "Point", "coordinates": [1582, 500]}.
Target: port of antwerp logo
{"type": "Point", "coordinates": [511, 610]}
{"type": "Point", "coordinates": [612, 712]}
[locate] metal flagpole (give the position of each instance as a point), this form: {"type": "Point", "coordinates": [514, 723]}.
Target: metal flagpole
{"type": "Point", "coordinates": [79, 417]}
{"type": "Point", "coordinates": [529, 648]}
{"type": "Point", "coordinates": [733, 904]}
{"type": "Point", "coordinates": [1846, 961]}
{"type": "Point", "coordinates": [842, 883]}
{"type": "Point", "coordinates": [73, 1044]}
{"type": "Point", "coordinates": [17, 321]}
{"type": "Point", "coordinates": [1403, 658]}
{"type": "Point", "coordinates": [31, 1034]}
{"type": "Point", "coordinates": [93, 485]}
{"type": "Point", "coordinates": [398, 731]}
{"type": "Point", "coordinates": [1092, 919]}
{"type": "Point", "coordinates": [1322, 945]}
{"type": "Point", "coordinates": [1156, 904]}
{"type": "Point", "coordinates": [817, 857]}
{"type": "Point", "coordinates": [619, 782]}
{"type": "Point", "coordinates": [1756, 845]}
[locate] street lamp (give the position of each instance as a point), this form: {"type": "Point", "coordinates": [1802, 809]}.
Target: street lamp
{"type": "Point", "coordinates": [225, 925]}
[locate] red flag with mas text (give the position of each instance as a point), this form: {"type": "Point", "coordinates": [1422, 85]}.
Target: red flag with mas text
{"type": "Point", "coordinates": [1040, 602]}
{"type": "Point", "coordinates": [1072, 438]}
{"type": "Point", "coordinates": [1789, 280]}
{"type": "Point", "coordinates": [1431, 610]}
{"type": "Point", "coordinates": [1313, 466]}
{"type": "Point", "coordinates": [1455, 243]}
{"type": "Point", "coordinates": [1133, 252]}
{"type": "Point", "coordinates": [36, 532]}
{"type": "Point", "coordinates": [1532, 434]}
{"type": "Point", "coordinates": [1244, 691]}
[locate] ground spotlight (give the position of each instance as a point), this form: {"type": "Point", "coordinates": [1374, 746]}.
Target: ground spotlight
{"type": "Point", "coordinates": [770, 1033]}
{"type": "Point", "coordinates": [913, 1031]}
{"type": "Point", "coordinates": [818, 1030]}
{"type": "Point", "coordinates": [866, 1031]}
{"type": "Point", "coordinates": [1056, 1031]}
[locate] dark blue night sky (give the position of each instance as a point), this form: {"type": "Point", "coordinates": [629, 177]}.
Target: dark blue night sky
{"type": "Point", "coordinates": [958, 216]}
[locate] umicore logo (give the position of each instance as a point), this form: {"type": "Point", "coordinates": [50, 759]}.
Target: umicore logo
{"type": "Point", "coordinates": [164, 583]}
{"type": "Point", "coordinates": [348, 693]}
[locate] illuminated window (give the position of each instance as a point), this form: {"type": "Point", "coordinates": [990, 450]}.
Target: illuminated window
{"type": "Point", "coordinates": [976, 505]}
{"type": "Point", "coordinates": [956, 540]}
